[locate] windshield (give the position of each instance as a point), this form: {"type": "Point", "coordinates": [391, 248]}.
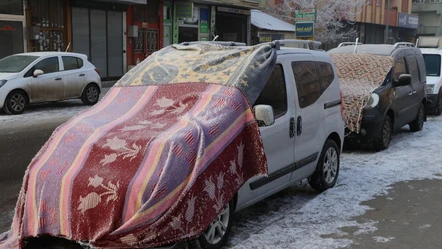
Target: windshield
{"type": "Point", "coordinates": [432, 64]}
{"type": "Point", "coordinates": [15, 63]}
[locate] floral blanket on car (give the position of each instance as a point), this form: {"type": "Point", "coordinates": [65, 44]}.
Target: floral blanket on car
{"type": "Point", "coordinates": [150, 164]}
{"type": "Point", "coordinates": [359, 75]}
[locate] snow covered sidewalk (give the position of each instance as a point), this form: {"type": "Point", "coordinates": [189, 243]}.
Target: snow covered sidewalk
{"type": "Point", "coordinates": [301, 218]}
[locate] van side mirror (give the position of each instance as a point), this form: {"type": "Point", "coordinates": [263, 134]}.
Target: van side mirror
{"type": "Point", "coordinates": [404, 80]}
{"type": "Point", "coordinates": [38, 72]}
{"type": "Point", "coordinates": [264, 115]}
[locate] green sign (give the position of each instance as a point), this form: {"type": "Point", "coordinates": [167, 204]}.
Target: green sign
{"type": "Point", "coordinates": [184, 9]}
{"type": "Point", "coordinates": [305, 15]}
{"type": "Point", "coordinates": [204, 20]}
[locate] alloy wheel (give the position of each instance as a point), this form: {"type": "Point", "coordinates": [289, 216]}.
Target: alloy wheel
{"type": "Point", "coordinates": [218, 227]}
{"type": "Point", "coordinates": [330, 165]}
{"type": "Point", "coordinates": [92, 94]}
{"type": "Point", "coordinates": [17, 102]}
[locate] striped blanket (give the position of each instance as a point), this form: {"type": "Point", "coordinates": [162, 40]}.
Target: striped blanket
{"type": "Point", "coordinates": [152, 163]}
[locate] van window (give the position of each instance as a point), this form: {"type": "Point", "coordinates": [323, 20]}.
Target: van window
{"type": "Point", "coordinates": [275, 92]}
{"type": "Point", "coordinates": [399, 68]}
{"type": "Point", "coordinates": [412, 68]}
{"type": "Point", "coordinates": [432, 64]}
{"type": "Point", "coordinates": [307, 82]}
{"type": "Point", "coordinates": [327, 74]}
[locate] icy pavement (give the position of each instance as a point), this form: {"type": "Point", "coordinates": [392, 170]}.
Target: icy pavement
{"type": "Point", "coordinates": [301, 218]}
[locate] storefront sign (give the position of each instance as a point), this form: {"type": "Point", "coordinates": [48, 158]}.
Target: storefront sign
{"type": "Point", "coordinates": [204, 20]}
{"type": "Point", "coordinates": [305, 29]}
{"type": "Point", "coordinates": [184, 10]}
{"type": "Point", "coordinates": [233, 10]}
{"type": "Point", "coordinates": [305, 15]}
{"type": "Point", "coordinates": [270, 37]}
{"type": "Point", "coordinates": [408, 21]}
{"type": "Point", "coordinates": [7, 28]}
{"type": "Point", "coordinates": [132, 1]}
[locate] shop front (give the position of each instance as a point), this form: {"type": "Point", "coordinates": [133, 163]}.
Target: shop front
{"type": "Point", "coordinates": [98, 32]}
{"type": "Point", "coordinates": [144, 22]}
{"type": "Point", "coordinates": [407, 27]}
{"type": "Point", "coordinates": [233, 24]}
{"type": "Point", "coordinates": [12, 23]}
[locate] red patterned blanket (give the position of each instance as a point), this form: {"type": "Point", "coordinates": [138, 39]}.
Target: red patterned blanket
{"type": "Point", "coordinates": [146, 166]}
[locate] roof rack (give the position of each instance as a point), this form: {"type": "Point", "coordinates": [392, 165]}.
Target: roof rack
{"type": "Point", "coordinates": [343, 44]}
{"type": "Point", "coordinates": [403, 44]}
{"type": "Point", "coordinates": [225, 43]}
{"type": "Point", "coordinates": [306, 44]}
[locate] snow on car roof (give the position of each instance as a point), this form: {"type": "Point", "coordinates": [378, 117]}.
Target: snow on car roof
{"type": "Point", "coordinates": [39, 54]}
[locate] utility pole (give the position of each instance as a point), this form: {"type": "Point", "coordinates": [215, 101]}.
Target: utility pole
{"type": "Point", "coordinates": [388, 20]}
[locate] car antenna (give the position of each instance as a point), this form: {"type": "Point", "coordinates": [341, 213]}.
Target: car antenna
{"type": "Point", "coordinates": [356, 45]}
{"type": "Point", "coordinates": [67, 48]}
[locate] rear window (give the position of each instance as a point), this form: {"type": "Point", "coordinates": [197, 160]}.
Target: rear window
{"type": "Point", "coordinates": [72, 63]}
{"type": "Point", "coordinates": [432, 64]}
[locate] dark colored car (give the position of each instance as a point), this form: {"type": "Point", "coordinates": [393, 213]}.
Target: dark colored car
{"type": "Point", "coordinates": [398, 97]}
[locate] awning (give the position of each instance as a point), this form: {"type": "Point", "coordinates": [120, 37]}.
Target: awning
{"type": "Point", "coordinates": [268, 22]}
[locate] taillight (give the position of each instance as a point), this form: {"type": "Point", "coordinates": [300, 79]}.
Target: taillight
{"type": "Point", "coordinates": [98, 72]}
{"type": "Point", "coordinates": [342, 106]}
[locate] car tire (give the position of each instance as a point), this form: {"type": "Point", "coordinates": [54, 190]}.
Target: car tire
{"type": "Point", "coordinates": [418, 123]}
{"type": "Point", "coordinates": [15, 102]}
{"type": "Point", "coordinates": [438, 108]}
{"type": "Point", "coordinates": [327, 169]}
{"type": "Point", "coordinates": [90, 95]}
{"type": "Point", "coordinates": [217, 233]}
{"type": "Point", "coordinates": [384, 139]}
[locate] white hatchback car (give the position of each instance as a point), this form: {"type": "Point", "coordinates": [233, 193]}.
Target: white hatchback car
{"type": "Point", "coordinates": [30, 78]}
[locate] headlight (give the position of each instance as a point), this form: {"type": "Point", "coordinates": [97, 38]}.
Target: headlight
{"type": "Point", "coordinates": [429, 89]}
{"type": "Point", "coordinates": [373, 101]}
{"type": "Point", "coordinates": [2, 82]}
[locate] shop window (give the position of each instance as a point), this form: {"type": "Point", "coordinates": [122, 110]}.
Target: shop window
{"type": "Point", "coordinates": [11, 38]}
{"type": "Point", "coordinates": [146, 13]}
{"type": "Point", "coordinates": [48, 15]}
{"type": "Point", "coordinates": [307, 82]}
{"type": "Point", "coordinates": [275, 92]}
{"type": "Point", "coordinates": [49, 65]}
{"type": "Point", "coordinates": [72, 63]}
{"type": "Point", "coordinates": [11, 7]}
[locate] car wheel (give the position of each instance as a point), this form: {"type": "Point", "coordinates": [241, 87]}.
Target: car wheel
{"type": "Point", "coordinates": [90, 95]}
{"type": "Point", "coordinates": [327, 169]}
{"type": "Point", "coordinates": [15, 102]}
{"type": "Point", "coordinates": [438, 109]}
{"type": "Point", "coordinates": [418, 123]}
{"type": "Point", "coordinates": [218, 231]}
{"type": "Point", "coordinates": [384, 139]}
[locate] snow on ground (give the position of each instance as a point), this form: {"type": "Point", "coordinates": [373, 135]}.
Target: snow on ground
{"type": "Point", "coordinates": [41, 113]}
{"type": "Point", "coordinates": [302, 218]}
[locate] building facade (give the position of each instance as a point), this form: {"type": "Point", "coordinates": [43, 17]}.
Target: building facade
{"type": "Point", "coordinates": [430, 18]}
{"type": "Point", "coordinates": [118, 34]}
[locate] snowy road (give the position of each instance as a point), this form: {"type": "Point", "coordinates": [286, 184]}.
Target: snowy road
{"type": "Point", "coordinates": [301, 218]}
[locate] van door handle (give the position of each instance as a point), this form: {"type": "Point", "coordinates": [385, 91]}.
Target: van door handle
{"type": "Point", "coordinates": [81, 74]}
{"type": "Point", "coordinates": [299, 126]}
{"type": "Point", "coordinates": [292, 127]}
{"type": "Point", "coordinates": [58, 79]}
{"type": "Point", "coordinates": [414, 91]}
{"type": "Point", "coordinates": [410, 93]}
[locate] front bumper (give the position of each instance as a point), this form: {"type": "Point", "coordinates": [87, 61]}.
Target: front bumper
{"type": "Point", "coordinates": [371, 126]}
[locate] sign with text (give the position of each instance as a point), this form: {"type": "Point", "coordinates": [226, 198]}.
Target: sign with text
{"type": "Point", "coordinates": [305, 15]}
{"type": "Point", "coordinates": [408, 21]}
{"type": "Point", "coordinates": [234, 10]}
{"type": "Point", "coordinates": [184, 10]}
{"type": "Point", "coordinates": [305, 29]}
{"type": "Point", "coordinates": [204, 20]}
{"type": "Point", "coordinates": [270, 37]}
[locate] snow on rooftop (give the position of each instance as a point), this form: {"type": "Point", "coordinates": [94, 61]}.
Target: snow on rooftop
{"type": "Point", "coordinates": [265, 21]}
